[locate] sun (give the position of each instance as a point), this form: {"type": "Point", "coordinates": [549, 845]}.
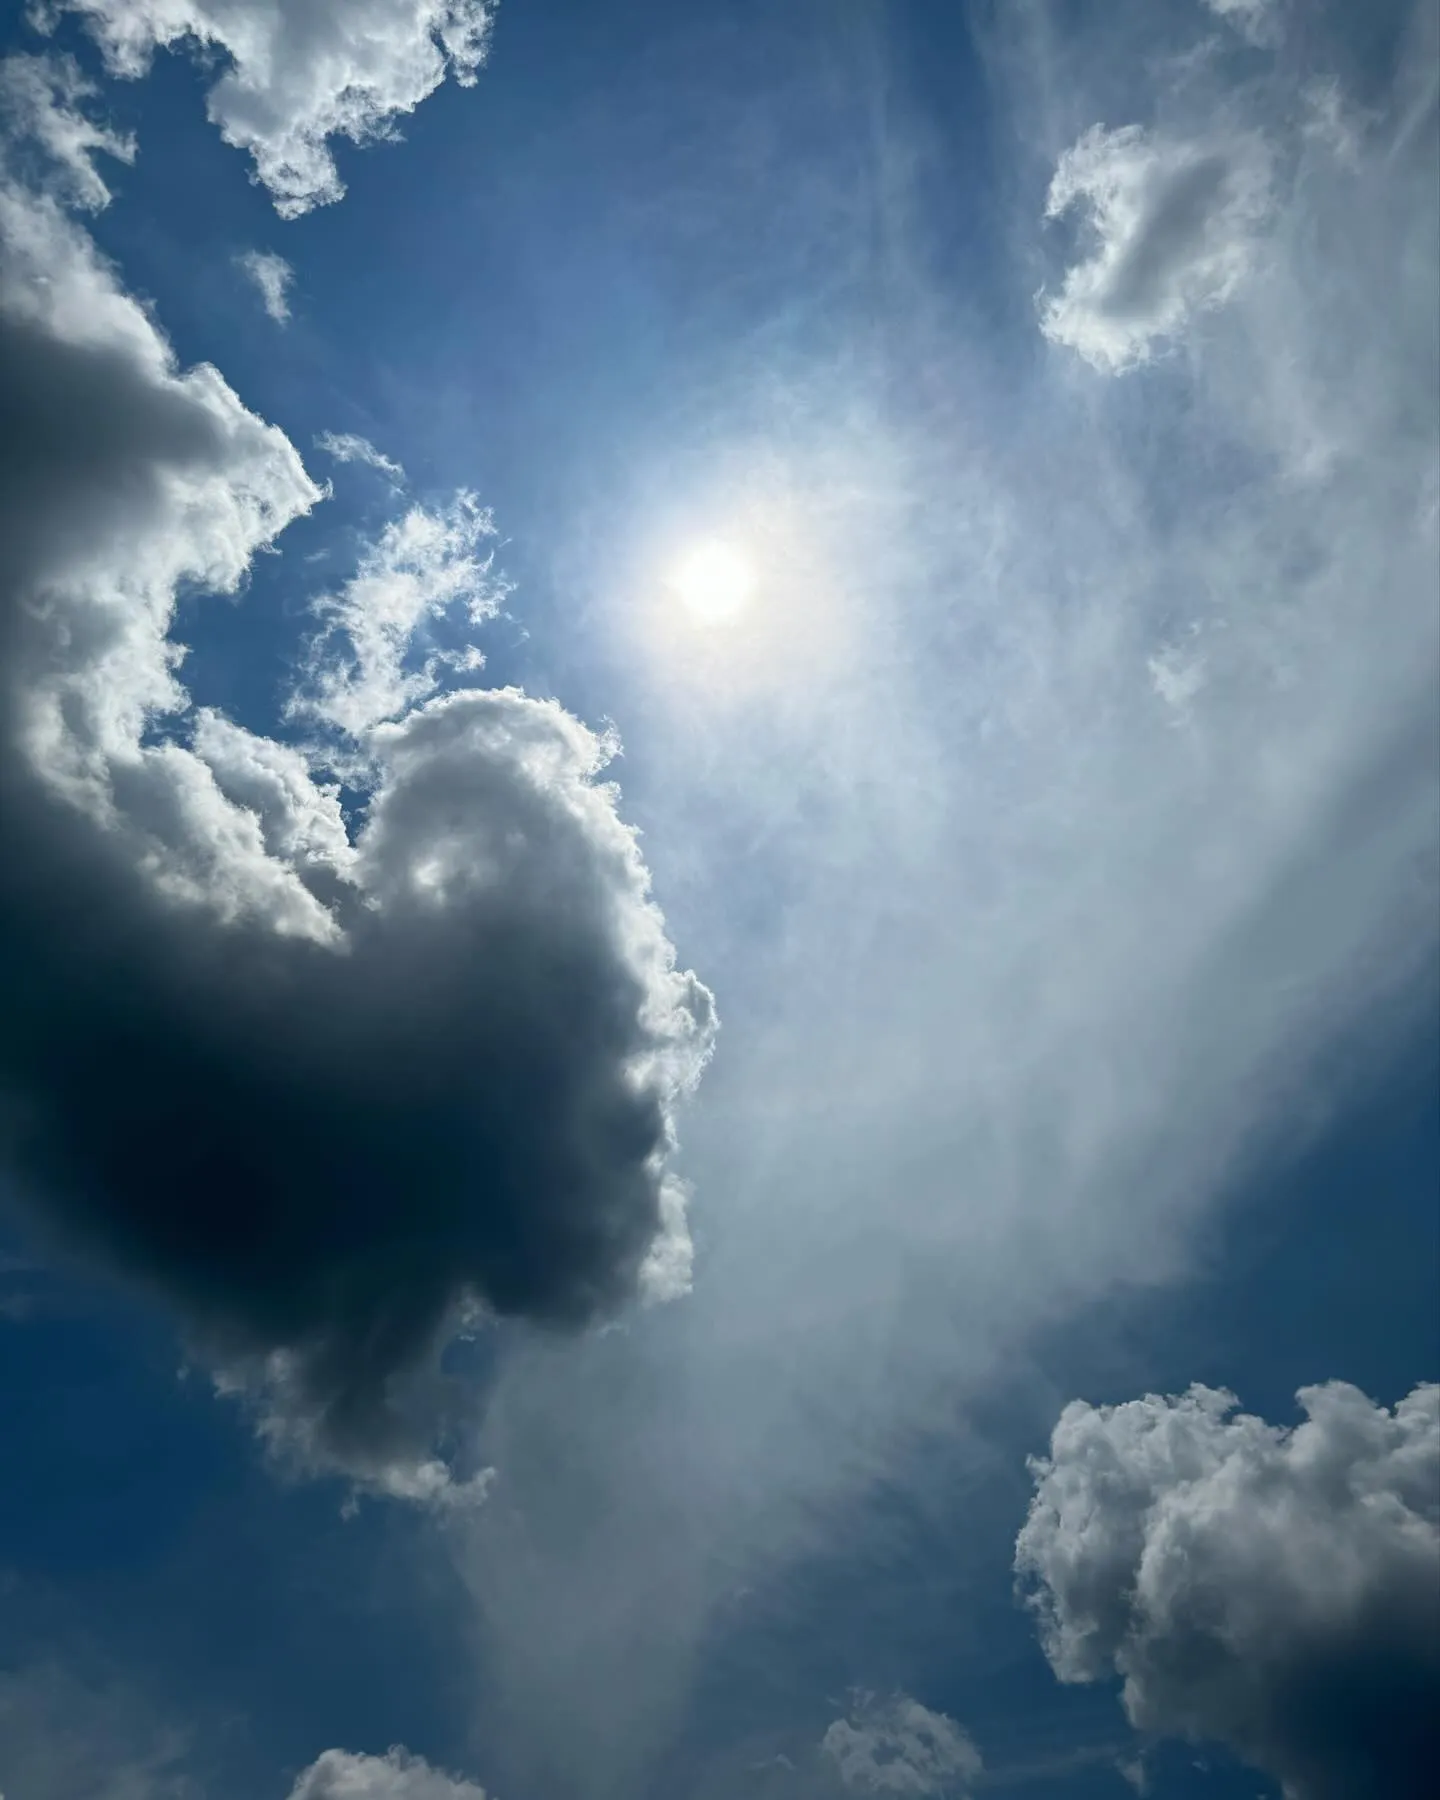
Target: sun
{"type": "Point", "coordinates": [714, 582]}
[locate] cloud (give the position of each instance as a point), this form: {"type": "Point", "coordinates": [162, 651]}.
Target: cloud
{"type": "Point", "coordinates": [272, 276]}
{"type": "Point", "coordinates": [342, 1775]}
{"type": "Point", "coordinates": [350, 447]}
{"type": "Point", "coordinates": [41, 103]}
{"type": "Point", "coordinates": [1257, 21]}
{"type": "Point", "coordinates": [423, 565]}
{"type": "Point", "coordinates": [1172, 227]}
{"type": "Point", "coordinates": [336, 1085]}
{"type": "Point", "coordinates": [296, 76]}
{"type": "Point", "coordinates": [898, 1746]}
{"type": "Point", "coordinates": [1273, 1589]}
{"type": "Point", "coordinates": [65, 1737]}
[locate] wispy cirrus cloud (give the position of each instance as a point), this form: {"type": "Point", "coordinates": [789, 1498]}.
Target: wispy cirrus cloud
{"type": "Point", "coordinates": [427, 563]}
{"type": "Point", "coordinates": [350, 447]}
{"type": "Point", "coordinates": [1259, 22]}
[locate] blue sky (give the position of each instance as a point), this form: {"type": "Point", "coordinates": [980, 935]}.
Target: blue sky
{"type": "Point", "coordinates": [420, 1325]}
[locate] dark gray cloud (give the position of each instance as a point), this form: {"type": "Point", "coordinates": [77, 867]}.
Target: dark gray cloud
{"type": "Point", "coordinates": [331, 1097]}
{"type": "Point", "coordinates": [1276, 1590]}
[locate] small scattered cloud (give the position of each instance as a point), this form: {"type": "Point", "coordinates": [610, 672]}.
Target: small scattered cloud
{"type": "Point", "coordinates": [1178, 674]}
{"type": "Point", "coordinates": [1257, 21]}
{"type": "Point", "coordinates": [1171, 228]}
{"type": "Point", "coordinates": [272, 277]}
{"type": "Point", "coordinates": [898, 1746]}
{"type": "Point", "coordinates": [423, 565]}
{"type": "Point", "coordinates": [350, 447]}
{"type": "Point", "coordinates": [294, 77]}
{"type": "Point", "coordinates": [344, 1775]}
{"type": "Point", "coordinates": [1273, 1589]}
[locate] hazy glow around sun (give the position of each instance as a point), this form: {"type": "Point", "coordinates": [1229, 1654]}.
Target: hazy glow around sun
{"type": "Point", "coordinates": [714, 582]}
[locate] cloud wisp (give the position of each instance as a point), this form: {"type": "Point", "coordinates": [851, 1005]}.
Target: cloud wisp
{"type": "Point", "coordinates": [350, 447]}
{"type": "Point", "coordinates": [273, 278]}
{"type": "Point", "coordinates": [334, 1085]}
{"type": "Point", "coordinates": [1274, 1590]}
{"type": "Point", "coordinates": [427, 563]}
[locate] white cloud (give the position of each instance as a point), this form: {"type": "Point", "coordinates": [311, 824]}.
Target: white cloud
{"type": "Point", "coordinates": [1171, 228]}
{"type": "Point", "coordinates": [350, 447]}
{"type": "Point", "coordinates": [144, 478]}
{"type": "Point", "coordinates": [342, 1775]}
{"type": "Point", "coordinates": [1257, 21]}
{"type": "Point", "coordinates": [1273, 1589]}
{"type": "Point", "coordinates": [272, 277]}
{"type": "Point", "coordinates": [42, 100]}
{"type": "Point", "coordinates": [299, 74]}
{"type": "Point", "coordinates": [424, 564]}
{"type": "Point", "coordinates": [464, 989]}
{"type": "Point", "coordinates": [898, 1746]}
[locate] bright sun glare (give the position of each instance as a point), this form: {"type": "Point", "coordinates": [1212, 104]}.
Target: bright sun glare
{"type": "Point", "coordinates": [714, 582]}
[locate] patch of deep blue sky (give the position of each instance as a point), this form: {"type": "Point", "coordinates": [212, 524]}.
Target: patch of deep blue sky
{"type": "Point", "coordinates": [645, 229]}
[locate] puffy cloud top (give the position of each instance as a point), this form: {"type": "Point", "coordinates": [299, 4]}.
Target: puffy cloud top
{"type": "Point", "coordinates": [298, 74]}
{"type": "Point", "coordinates": [901, 1747]}
{"type": "Point", "coordinates": [340, 1775]}
{"type": "Point", "coordinates": [1274, 1589]}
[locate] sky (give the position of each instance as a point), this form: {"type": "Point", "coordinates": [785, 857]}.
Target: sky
{"type": "Point", "coordinates": [719, 899]}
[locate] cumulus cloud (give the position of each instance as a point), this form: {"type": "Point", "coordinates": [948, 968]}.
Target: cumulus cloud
{"type": "Point", "coordinates": [296, 76]}
{"type": "Point", "coordinates": [350, 447]}
{"type": "Point", "coordinates": [1170, 228]}
{"type": "Point", "coordinates": [899, 1746]}
{"type": "Point", "coordinates": [1273, 1589]}
{"type": "Point", "coordinates": [342, 1775]}
{"type": "Point", "coordinates": [336, 1084]}
{"type": "Point", "coordinates": [272, 277]}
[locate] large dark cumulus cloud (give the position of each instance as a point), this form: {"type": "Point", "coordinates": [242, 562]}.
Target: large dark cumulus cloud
{"type": "Point", "coordinates": [330, 1099]}
{"type": "Point", "coordinates": [1276, 1590]}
